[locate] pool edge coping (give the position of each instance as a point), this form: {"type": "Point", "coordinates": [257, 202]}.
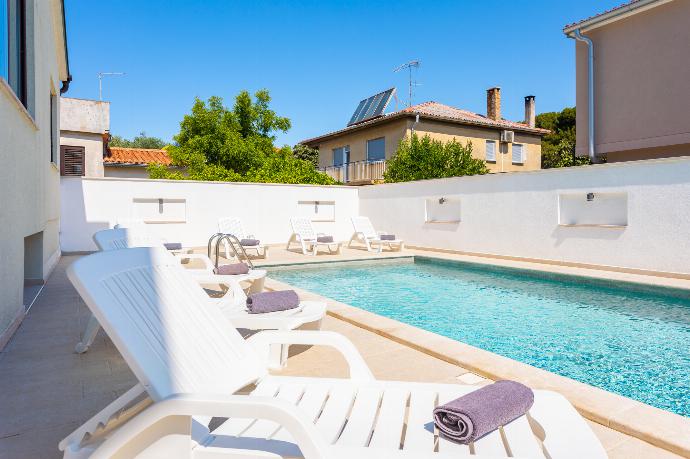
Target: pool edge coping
{"type": "Point", "coordinates": [656, 426]}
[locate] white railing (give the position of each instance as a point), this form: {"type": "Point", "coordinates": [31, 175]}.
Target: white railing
{"type": "Point", "coordinates": [360, 171]}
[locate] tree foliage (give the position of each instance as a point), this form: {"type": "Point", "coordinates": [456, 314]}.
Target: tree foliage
{"type": "Point", "coordinates": [558, 148]}
{"type": "Point", "coordinates": [140, 141]}
{"type": "Point", "coordinates": [220, 144]}
{"type": "Point", "coordinates": [425, 158]}
{"type": "Point", "coordinates": [306, 153]}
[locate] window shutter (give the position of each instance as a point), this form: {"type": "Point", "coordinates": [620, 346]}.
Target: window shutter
{"type": "Point", "coordinates": [72, 161]}
{"type": "Point", "coordinates": [518, 153]}
{"type": "Point", "coordinates": [490, 150]}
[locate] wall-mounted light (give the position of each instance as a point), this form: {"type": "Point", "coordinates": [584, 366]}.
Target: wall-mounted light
{"type": "Point", "coordinates": [442, 200]}
{"type": "Point", "coordinates": [590, 197]}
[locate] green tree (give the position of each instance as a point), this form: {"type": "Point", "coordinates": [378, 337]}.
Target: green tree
{"type": "Point", "coordinates": [558, 147]}
{"type": "Point", "coordinates": [221, 144]}
{"type": "Point", "coordinates": [425, 158]}
{"type": "Point", "coordinates": [306, 153]}
{"type": "Point", "coordinates": [140, 141]}
{"type": "Point", "coordinates": [237, 139]}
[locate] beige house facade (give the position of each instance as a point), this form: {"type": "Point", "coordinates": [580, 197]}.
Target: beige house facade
{"type": "Point", "coordinates": [640, 74]}
{"type": "Point", "coordinates": [84, 132]}
{"type": "Point", "coordinates": [357, 154]}
{"type": "Point", "coordinates": [32, 78]}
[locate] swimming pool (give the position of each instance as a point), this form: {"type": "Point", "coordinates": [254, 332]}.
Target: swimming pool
{"type": "Point", "coordinates": [628, 339]}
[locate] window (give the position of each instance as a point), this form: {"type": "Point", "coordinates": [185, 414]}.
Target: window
{"type": "Point", "coordinates": [376, 149]}
{"type": "Point", "coordinates": [341, 155]}
{"type": "Point", "coordinates": [13, 46]}
{"type": "Point", "coordinates": [491, 150]}
{"type": "Point", "coordinates": [53, 128]}
{"type": "Point", "coordinates": [72, 161]}
{"type": "Point", "coordinates": [518, 153]}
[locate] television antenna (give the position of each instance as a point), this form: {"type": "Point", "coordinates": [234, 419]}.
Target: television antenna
{"type": "Point", "coordinates": [409, 66]}
{"type": "Point", "coordinates": [100, 81]}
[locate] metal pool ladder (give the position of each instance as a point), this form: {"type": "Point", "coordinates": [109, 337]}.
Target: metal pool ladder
{"type": "Point", "coordinates": [237, 249]}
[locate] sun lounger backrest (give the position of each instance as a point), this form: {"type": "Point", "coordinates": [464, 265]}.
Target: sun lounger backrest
{"type": "Point", "coordinates": [302, 226]}
{"type": "Point", "coordinates": [122, 238]}
{"type": "Point", "coordinates": [363, 225]}
{"type": "Point", "coordinates": [231, 225]}
{"type": "Point", "coordinates": [161, 321]}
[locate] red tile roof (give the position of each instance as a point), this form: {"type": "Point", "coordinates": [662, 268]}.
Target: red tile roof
{"type": "Point", "coordinates": [139, 156]}
{"type": "Point", "coordinates": [435, 110]}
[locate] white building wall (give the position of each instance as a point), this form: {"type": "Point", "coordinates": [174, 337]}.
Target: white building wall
{"type": "Point", "coordinates": [89, 205]}
{"type": "Point", "coordinates": [517, 214]}
{"type": "Point", "coordinates": [126, 171]}
{"type": "Point", "coordinates": [29, 182]}
{"type": "Point", "coordinates": [93, 150]}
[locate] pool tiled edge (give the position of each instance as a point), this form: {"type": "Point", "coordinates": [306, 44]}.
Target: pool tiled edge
{"type": "Point", "coordinates": [655, 426]}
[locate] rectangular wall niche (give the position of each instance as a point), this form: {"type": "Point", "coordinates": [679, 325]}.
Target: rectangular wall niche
{"type": "Point", "coordinates": [606, 210]}
{"type": "Point", "coordinates": [159, 210]}
{"type": "Point", "coordinates": [442, 210]}
{"type": "Point", "coordinates": [317, 211]}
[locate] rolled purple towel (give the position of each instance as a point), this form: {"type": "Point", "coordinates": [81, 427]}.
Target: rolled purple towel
{"type": "Point", "coordinates": [232, 270]}
{"type": "Point", "coordinates": [387, 237]}
{"type": "Point", "coordinates": [324, 239]}
{"type": "Point", "coordinates": [249, 242]}
{"type": "Point", "coordinates": [259, 303]}
{"type": "Point", "coordinates": [470, 417]}
{"type": "Point", "coordinates": [173, 245]}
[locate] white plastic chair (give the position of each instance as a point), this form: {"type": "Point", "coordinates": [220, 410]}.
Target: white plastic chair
{"type": "Point", "coordinates": [367, 235]}
{"type": "Point", "coordinates": [191, 364]}
{"type": "Point", "coordinates": [303, 232]}
{"type": "Point", "coordinates": [233, 302]}
{"type": "Point", "coordinates": [234, 226]}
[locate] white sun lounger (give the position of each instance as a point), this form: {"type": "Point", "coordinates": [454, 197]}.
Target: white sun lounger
{"type": "Point", "coordinates": [367, 235]}
{"type": "Point", "coordinates": [303, 232]}
{"type": "Point", "coordinates": [190, 365]}
{"type": "Point", "coordinates": [232, 303]}
{"type": "Point", "coordinates": [234, 226]}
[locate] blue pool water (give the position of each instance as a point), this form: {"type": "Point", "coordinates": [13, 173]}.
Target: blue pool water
{"type": "Point", "coordinates": [624, 338]}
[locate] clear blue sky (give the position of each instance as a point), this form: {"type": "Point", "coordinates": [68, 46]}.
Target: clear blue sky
{"type": "Point", "coordinates": [318, 58]}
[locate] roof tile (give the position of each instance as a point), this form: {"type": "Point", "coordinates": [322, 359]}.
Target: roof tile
{"type": "Point", "coordinates": [142, 156]}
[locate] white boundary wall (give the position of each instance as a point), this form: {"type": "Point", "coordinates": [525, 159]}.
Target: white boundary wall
{"type": "Point", "coordinates": [92, 204]}
{"type": "Point", "coordinates": [643, 208]}
{"type": "Point", "coordinates": [517, 214]}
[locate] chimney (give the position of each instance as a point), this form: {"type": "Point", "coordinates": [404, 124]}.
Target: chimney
{"type": "Point", "coordinates": [530, 111]}
{"type": "Point", "coordinates": [493, 103]}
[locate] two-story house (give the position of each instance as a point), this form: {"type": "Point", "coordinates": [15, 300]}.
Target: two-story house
{"type": "Point", "coordinates": [632, 79]}
{"type": "Point", "coordinates": [357, 154]}
{"type": "Point", "coordinates": [34, 71]}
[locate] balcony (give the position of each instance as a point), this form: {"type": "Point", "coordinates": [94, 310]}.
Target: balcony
{"type": "Point", "coordinates": [358, 173]}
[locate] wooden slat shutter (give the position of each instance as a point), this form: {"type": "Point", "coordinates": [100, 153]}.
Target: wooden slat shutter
{"type": "Point", "coordinates": [490, 150]}
{"type": "Point", "coordinates": [72, 161]}
{"type": "Point", "coordinates": [518, 153]}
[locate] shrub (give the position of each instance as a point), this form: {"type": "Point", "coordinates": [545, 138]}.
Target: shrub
{"type": "Point", "coordinates": [425, 158]}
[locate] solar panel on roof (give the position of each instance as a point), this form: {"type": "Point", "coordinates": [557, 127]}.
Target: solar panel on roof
{"type": "Point", "coordinates": [371, 107]}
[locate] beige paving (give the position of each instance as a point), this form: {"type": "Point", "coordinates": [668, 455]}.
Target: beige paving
{"type": "Point", "coordinates": [46, 390]}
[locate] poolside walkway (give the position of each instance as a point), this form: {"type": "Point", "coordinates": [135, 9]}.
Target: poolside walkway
{"type": "Point", "coordinates": [46, 390]}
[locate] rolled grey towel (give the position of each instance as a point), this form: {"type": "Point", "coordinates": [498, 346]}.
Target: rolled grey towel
{"type": "Point", "coordinates": [259, 303]}
{"type": "Point", "coordinates": [470, 417]}
{"type": "Point", "coordinates": [249, 242]}
{"type": "Point", "coordinates": [232, 270]}
{"type": "Point", "coordinates": [324, 239]}
{"type": "Point", "coordinates": [173, 245]}
{"type": "Point", "coordinates": [387, 237]}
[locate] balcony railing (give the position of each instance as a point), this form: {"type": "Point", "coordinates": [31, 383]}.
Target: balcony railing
{"type": "Point", "coordinates": [357, 172]}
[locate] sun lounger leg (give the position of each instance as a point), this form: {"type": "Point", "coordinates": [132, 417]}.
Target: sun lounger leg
{"type": "Point", "coordinates": [90, 332]}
